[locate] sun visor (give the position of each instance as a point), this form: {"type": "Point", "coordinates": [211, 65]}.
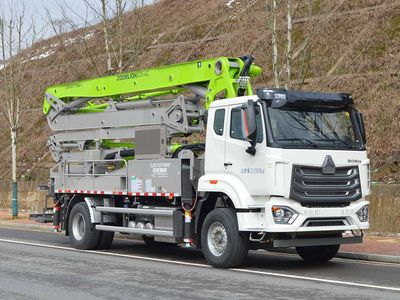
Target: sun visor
{"type": "Point", "coordinates": [286, 99]}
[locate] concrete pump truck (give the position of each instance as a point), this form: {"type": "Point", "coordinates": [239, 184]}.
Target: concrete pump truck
{"type": "Point", "coordinates": [277, 168]}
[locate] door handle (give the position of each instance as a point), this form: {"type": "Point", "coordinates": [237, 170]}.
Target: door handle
{"type": "Point", "coordinates": [227, 164]}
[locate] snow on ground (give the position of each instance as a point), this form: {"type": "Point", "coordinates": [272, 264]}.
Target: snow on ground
{"type": "Point", "coordinates": [69, 41]}
{"type": "Point", "coordinates": [43, 55]}
{"type": "Point", "coordinates": [87, 36]}
{"type": "Point", "coordinates": [48, 50]}
{"type": "Point", "coordinates": [230, 3]}
{"type": "Point", "coordinates": [72, 40]}
{"type": "Point", "coordinates": [39, 56]}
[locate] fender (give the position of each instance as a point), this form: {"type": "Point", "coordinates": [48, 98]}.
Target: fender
{"type": "Point", "coordinates": [204, 206]}
{"type": "Point", "coordinates": [67, 210]}
{"type": "Point", "coordinates": [229, 185]}
{"type": "Point", "coordinates": [94, 214]}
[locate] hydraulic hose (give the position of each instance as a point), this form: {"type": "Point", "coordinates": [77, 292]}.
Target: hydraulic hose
{"type": "Point", "coordinates": [248, 61]}
{"type": "Point", "coordinates": [122, 153]}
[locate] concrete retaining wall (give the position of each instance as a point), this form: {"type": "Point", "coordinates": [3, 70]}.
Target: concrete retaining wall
{"type": "Point", "coordinates": [384, 208]}
{"type": "Point", "coordinates": [29, 198]}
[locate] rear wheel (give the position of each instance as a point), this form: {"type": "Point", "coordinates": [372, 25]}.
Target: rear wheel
{"type": "Point", "coordinates": [318, 254]}
{"type": "Point", "coordinates": [150, 242]}
{"type": "Point", "coordinates": [83, 235]}
{"type": "Point", "coordinates": [106, 239]}
{"type": "Point", "coordinates": [223, 245]}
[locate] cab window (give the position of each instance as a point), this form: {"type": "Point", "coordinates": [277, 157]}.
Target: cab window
{"type": "Point", "coordinates": [219, 119]}
{"type": "Point", "coordinates": [237, 128]}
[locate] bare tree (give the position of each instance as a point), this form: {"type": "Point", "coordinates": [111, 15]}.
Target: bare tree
{"type": "Point", "coordinates": [288, 52]}
{"type": "Point", "coordinates": [106, 13]}
{"type": "Point", "coordinates": [282, 65]}
{"type": "Point", "coordinates": [104, 16]}
{"type": "Point", "coordinates": [59, 26]}
{"type": "Point", "coordinates": [306, 58]}
{"type": "Point", "coordinates": [79, 25]}
{"type": "Point", "coordinates": [136, 44]}
{"type": "Point", "coordinates": [120, 6]}
{"type": "Point", "coordinates": [58, 34]}
{"type": "Point", "coordinates": [112, 15]}
{"type": "Point", "coordinates": [12, 36]}
{"type": "Point", "coordinates": [121, 48]}
{"type": "Point", "coordinates": [113, 19]}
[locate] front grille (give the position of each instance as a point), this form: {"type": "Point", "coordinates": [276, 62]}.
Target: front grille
{"type": "Point", "coordinates": [311, 187]}
{"type": "Point", "coordinates": [328, 204]}
{"type": "Point", "coordinates": [325, 222]}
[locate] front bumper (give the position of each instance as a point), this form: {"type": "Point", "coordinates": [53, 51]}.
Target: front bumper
{"type": "Point", "coordinates": [316, 219]}
{"type": "Point", "coordinates": [284, 243]}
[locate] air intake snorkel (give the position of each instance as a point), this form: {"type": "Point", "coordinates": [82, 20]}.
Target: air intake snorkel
{"type": "Point", "coordinates": [244, 75]}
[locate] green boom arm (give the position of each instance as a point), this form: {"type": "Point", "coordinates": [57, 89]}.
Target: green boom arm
{"type": "Point", "coordinates": [216, 75]}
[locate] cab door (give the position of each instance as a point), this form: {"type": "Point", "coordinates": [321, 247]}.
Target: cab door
{"type": "Point", "coordinates": [215, 146]}
{"type": "Point", "coordinates": [249, 169]}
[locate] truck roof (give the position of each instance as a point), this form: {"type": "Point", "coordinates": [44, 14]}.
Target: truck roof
{"type": "Point", "coordinates": [290, 98]}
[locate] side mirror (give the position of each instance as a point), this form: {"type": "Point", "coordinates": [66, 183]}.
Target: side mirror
{"type": "Point", "coordinates": [250, 125]}
{"type": "Point", "coordinates": [360, 123]}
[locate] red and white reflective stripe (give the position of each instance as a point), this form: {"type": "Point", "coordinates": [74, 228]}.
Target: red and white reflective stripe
{"type": "Point", "coordinates": [119, 193]}
{"type": "Point", "coordinates": [153, 194]}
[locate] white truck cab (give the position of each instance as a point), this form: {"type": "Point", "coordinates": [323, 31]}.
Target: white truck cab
{"type": "Point", "coordinates": [306, 179]}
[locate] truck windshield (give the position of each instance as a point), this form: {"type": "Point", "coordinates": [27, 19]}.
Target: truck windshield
{"type": "Point", "coordinates": [313, 129]}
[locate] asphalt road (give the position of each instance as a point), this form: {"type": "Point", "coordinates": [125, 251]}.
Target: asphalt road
{"type": "Point", "coordinates": [39, 265]}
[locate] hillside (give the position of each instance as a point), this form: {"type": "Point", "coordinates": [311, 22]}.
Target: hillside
{"type": "Point", "coordinates": [355, 48]}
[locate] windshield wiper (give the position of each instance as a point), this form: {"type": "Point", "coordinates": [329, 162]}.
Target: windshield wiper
{"type": "Point", "coordinates": [302, 140]}
{"type": "Point", "coordinates": [343, 142]}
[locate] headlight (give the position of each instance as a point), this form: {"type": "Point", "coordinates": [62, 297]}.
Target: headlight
{"type": "Point", "coordinates": [362, 214]}
{"type": "Point", "coordinates": [283, 214]}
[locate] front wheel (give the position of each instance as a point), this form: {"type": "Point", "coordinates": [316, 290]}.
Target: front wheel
{"type": "Point", "coordinates": [223, 245]}
{"type": "Point", "coordinates": [318, 254]}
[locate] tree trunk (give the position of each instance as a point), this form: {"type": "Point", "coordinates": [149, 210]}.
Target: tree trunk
{"type": "Point", "coordinates": [14, 173]}
{"type": "Point", "coordinates": [106, 37]}
{"type": "Point", "coordinates": [274, 46]}
{"type": "Point", "coordinates": [289, 45]}
{"type": "Point", "coordinates": [120, 12]}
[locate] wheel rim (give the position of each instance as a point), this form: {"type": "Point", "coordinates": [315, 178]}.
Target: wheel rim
{"type": "Point", "coordinates": [78, 226]}
{"type": "Point", "coordinates": [217, 239]}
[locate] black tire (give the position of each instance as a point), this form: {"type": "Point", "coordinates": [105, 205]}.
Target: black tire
{"type": "Point", "coordinates": [318, 254]}
{"type": "Point", "coordinates": [82, 233]}
{"type": "Point", "coordinates": [150, 242]}
{"type": "Point", "coordinates": [234, 251]}
{"type": "Point", "coordinates": [106, 239]}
